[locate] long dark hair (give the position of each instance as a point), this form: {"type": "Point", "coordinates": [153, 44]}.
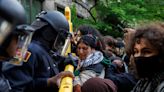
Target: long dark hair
{"type": "Point", "coordinates": [87, 29]}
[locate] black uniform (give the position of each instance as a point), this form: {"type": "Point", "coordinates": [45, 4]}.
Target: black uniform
{"type": "Point", "coordinates": [32, 76]}
{"type": "Point", "coordinates": [11, 15]}
{"type": "Point", "coordinates": [4, 84]}
{"type": "Point", "coordinates": [124, 81]}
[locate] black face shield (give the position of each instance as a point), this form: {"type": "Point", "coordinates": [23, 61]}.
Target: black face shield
{"type": "Point", "coordinates": [60, 41]}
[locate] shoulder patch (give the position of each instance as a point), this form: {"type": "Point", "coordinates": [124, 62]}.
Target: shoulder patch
{"type": "Point", "coordinates": [27, 56]}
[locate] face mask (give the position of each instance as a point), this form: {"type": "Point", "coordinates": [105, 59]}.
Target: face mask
{"type": "Point", "coordinates": [147, 66]}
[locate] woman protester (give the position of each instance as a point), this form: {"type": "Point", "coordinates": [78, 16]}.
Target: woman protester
{"type": "Point", "coordinates": [91, 61]}
{"type": "Point", "coordinates": [147, 48]}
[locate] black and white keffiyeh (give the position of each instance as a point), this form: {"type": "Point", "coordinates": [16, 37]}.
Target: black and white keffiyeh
{"type": "Point", "coordinates": [93, 58]}
{"type": "Point", "coordinates": [154, 84]}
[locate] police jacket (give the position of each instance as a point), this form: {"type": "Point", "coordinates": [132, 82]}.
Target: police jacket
{"type": "Point", "coordinates": [4, 84]}
{"type": "Point", "coordinates": [32, 75]}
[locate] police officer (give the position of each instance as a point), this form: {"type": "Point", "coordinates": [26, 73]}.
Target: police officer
{"type": "Point", "coordinates": [11, 14]}
{"type": "Point", "coordinates": [10, 17]}
{"type": "Point", "coordinates": [40, 73]}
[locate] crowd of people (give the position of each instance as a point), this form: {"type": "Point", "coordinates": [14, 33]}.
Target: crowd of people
{"type": "Point", "coordinates": [31, 61]}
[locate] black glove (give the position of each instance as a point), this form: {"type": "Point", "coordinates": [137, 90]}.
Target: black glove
{"type": "Point", "coordinates": [57, 57]}
{"type": "Point", "coordinates": [73, 60]}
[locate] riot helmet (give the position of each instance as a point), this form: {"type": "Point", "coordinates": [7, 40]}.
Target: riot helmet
{"type": "Point", "coordinates": [21, 37]}
{"type": "Point", "coordinates": [11, 14]}
{"type": "Point", "coordinates": [53, 27]}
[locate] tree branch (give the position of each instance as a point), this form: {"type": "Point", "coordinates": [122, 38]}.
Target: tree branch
{"type": "Point", "coordinates": [96, 1]}
{"type": "Point", "coordinates": [88, 9]}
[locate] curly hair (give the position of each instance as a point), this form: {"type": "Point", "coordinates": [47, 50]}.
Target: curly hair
{"type": "Point", "coordinates": [153, 33]}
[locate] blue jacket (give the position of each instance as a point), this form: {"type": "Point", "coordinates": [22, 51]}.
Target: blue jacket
{"type": "Point", "coordinates": [4, 84]}
{"type": "Point", "coordinates": [124, 81]}
{"type": "Point", "coordinates": [32, 76]}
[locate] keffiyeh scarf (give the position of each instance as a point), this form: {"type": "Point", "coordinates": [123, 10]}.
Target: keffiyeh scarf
{"type": "Point", "coordinates": [93, 58]}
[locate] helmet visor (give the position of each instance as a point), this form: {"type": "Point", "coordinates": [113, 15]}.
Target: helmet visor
{"type": "Point", "coordinates": [58, 44]}
{"type": "Point", "coordinates": [60, 40]}
{"type": "Point", "coordinates": [64, 33]}
{"type": "Point", "coordinates": [23, 42]}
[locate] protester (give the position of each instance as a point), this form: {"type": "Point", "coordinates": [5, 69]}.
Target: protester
{"type": "Point", "coordinates": [118, 63]}
{"type": "Point", "coordinates": [128, 33]}
{"type": "Point", "coordinates": [120, 47]}
{"type": "Point", "coordinates": [90, 61]}
{"type": "Point", "coordinates": [110, 46]}
{"type": "Point", "coordinates": [124, 81]}
{"type": "Point", "coordinates": [146, 46]}
{"type": "Point", "coordinates": [99, 85]}
{"type": "Point", "coordinates": [119, 72]}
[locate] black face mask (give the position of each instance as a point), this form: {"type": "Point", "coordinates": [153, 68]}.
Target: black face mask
{"type": "Point", "coordinates": [148, 66]}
